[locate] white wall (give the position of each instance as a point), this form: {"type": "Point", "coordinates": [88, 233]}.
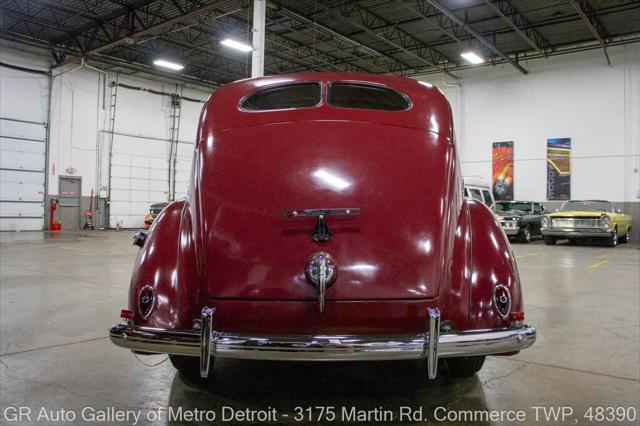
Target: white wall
{"type": "Point", "coordinates": [23, 112]}
{"type": "Point", "coordinates": [577, 96]}
{"type": "Point", "coordinates": [78, 138]}
{"type": "Point", "coordinates": [79, 123]}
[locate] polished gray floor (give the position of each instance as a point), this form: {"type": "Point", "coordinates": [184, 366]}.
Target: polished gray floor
{"type": "Point", "coordinates": [59, 294]}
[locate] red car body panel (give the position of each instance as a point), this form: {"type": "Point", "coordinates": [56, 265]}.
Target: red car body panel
{"type": "Point", "coordinates": [415, 244]}
{"type": "Point", "coordinates": [324, 164]}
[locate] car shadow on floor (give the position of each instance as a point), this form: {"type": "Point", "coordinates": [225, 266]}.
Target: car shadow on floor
{"type": "Point", "coordinates": [587, 242]}
{"type": "Point", "coordinates": [263, 385]}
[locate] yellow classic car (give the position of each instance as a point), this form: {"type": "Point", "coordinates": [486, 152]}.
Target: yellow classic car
{"type": "Point", "coordinates": [587, 219]}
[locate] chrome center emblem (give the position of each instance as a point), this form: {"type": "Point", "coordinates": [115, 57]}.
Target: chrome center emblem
{"type": "Point", "coordinates": [321, 271]}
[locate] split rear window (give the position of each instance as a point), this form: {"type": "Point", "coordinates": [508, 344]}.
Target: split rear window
{"type": "Point", "coordinates": [301, 95]}
{"type": "Point", "coordinates": [365, 96]}
{"type": "Point", "coordinates": [341, 95]}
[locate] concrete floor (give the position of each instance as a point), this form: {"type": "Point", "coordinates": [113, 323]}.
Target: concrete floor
{"type": "Point", "coordinates": [59, 294]}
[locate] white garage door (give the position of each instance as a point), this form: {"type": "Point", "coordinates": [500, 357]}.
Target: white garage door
{"type": "Point", "coordinates": [190, 112]}
{"type": "Point", "coordinates": [22, 169]}
{"type": "Point", "coordinates": [184, 158]}
{"type": "Point", "coordinates": [139, 178]}
{"type": "Point", "coordinates": [23, 133]}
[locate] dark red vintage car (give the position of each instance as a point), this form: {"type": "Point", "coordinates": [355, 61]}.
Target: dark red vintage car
{"type": "Point", "coordinates": [325, 222]}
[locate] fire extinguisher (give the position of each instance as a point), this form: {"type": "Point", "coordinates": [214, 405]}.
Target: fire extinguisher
{"type": "Point", "coordinates": [88, 215]}
{"type": "Point", "coordinates": [52, 208]}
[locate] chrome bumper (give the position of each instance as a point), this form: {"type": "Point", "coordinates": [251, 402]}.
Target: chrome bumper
{"type": "Point", "coordinates": [323, 348]}
{"type": "Point", "coordinates": [576, 232]}
{"type": "Point", "coordinates": [511, 231]}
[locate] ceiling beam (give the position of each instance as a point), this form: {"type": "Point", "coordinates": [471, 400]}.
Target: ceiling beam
{"type": "Point", "coordinates": [588, 16]}
{"type": "Point", "coordinates": [115, 37]}
{"type": "Point", "coordinates": [405, 42]}
{"type": "Point", "coordinates": [354, 43]}
{"type": "Point", "coordinates": [41, 23]}
{"type": "Point", "coordinates": [106, 21]}
{"type": "Point", "coordinates": [510, 15]}
{"type": "Point", "coordinates": [115, 62]}
{"type": "Point", "coordinates": [155, 28]}
{"type": "Point", "coordinates": [359, 52]}
{"type": "Point", "coordinates": [492, 47]}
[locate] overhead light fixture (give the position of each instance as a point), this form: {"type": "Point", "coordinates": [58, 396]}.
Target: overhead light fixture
{"type": "Point", "coordinates": [168, 64]}
{"type": "Point", "coordinates": [472, 57]}
{"type": "Point", "coordinates": [243, 47]}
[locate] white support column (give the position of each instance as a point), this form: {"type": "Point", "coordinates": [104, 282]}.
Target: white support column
{"type": "Point", "coordinates": [258, 30]}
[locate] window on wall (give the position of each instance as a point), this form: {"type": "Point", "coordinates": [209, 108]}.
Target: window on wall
{"type": "Point", "coordinates": [301, 95]}
{"type": "Point", "coordinates": [365, 96]}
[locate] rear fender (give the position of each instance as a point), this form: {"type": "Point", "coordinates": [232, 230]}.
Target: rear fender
{"type": "Point", "coordinates": [166, 262]}
{"type": "Point", "coordinates": [492, 263]}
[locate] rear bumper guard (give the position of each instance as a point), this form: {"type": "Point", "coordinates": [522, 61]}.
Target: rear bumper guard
{"type": "Point", "coordinates": [205, 343]}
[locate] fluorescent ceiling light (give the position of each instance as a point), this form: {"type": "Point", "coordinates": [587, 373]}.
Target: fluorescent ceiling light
{"type": "Point", "coordinates": [236, 45]}
{"type": "Point", "coordinates": [472, 57]}
{"type": "Point", "coordinates": [168, 64]}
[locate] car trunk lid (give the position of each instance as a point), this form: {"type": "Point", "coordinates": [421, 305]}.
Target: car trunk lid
{"type": "Point", "coordinates": [400, 179]}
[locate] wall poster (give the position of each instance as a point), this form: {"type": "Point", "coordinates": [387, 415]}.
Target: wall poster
{"type": "Point", "coordinates": [502, 174]}
{"type": "Point", "coordinates": [559, 169]}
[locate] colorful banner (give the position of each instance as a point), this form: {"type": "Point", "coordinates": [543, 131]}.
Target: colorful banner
{"type": "Point", "coordinates": [502, 176]}
{"type": "Point", "coordinates": [559, 169]}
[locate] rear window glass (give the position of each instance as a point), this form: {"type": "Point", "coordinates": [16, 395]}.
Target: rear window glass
{"type": "Point", "coordinates": [475, 194]}
{"type": "Point", "coordinates": [363, 96]}
{"type": "Point", "coordinates": [487, 197]}
{"type": "Point", "coordinates": [302, 95]}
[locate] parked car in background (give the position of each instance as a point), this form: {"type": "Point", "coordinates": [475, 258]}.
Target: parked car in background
{"type": "Point", "coordinates": [588, 219]}
{"type": "Point", "coordinates": [154, 211]}
{"type": "Point", "coordinates": [325, 222]}
{"type": "Point", "coordinates": [477, 189]}
{"type": "Point", "coordinates": [520, 219]}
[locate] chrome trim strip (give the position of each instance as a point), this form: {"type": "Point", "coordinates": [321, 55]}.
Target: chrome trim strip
{"type": "Point", "coordinates": [575, 222]}
{"type": "Point", "coordinates": [355, 211]}
{"type": "Point", "coordinates": [576, 232]}
{"type": "Point", "coordinates": [324, 348]}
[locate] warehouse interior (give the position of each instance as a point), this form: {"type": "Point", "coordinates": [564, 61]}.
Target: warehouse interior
{"type": "Point", "coordinates": [96, 127]}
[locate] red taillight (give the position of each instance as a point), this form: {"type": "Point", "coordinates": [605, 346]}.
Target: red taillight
{"type": "Point", "coordinates": [126, 314]}
{"type": "Point", "coordinates": [517, 316]}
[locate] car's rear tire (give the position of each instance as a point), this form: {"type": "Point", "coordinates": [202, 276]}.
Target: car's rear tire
{"type": "Point", "coordinates": [189, 366]}
{"type": "Point", "coordinates": [465, 366]}
{"type": "Point", "coordinates": [573, 241]}
{"type": "Point", "coordinates": [550, 241]}
{"type": "Point", "coordinates": [612, 240]}
{"type": "Point", "coordinates": [525, 235]}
